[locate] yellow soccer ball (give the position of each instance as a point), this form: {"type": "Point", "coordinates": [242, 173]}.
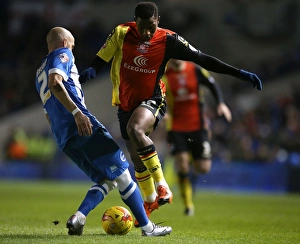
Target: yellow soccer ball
{"type": "Point", "coordinates": [117, 220]}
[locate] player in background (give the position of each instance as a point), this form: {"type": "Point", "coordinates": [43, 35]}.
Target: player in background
{"type": "Point", "coordinates": [139, 51]}
{"type": "Point", "coordinates": [83, 138]}
{"type": "Point", "coordinates": [187, 125]}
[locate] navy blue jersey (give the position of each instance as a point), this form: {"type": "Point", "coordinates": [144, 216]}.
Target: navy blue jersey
{"type": "Point", "coordinates": [61, 61]}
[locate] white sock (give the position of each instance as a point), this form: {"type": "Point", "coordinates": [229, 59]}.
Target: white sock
{"type": "Point", "coordinates": [81, 217]}
{"type": "Point", "coordinates": [162, 183]}
{"type": "Point", "coordinates": [148, 227]}
{"type": "Point", "coordinates": [151, 198]}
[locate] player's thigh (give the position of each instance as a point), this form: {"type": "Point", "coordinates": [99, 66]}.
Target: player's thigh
{"type": "Point", "coordinates": [77, 157]}
{"type": "Point", "coordinates": [202, 165]}
{"type": "Point", "coordinates": [98, 156]}
{"type": "Point", "coordinates": [142, 120]}
{"type": "Point", "coordinates": [157, 106]}
{"type": "Point", "coordinates": [201, 151]}
{"type": "Point", "coordinates": [105, 155]}
{"type": "Point", "coordinates": [178, 142]}
{"type": "Point", "coordinates": [124, 117]}
{"type": "Point", "coordinates": [199, 145]}
{"type": "Point", "coordinates": [110, 165]}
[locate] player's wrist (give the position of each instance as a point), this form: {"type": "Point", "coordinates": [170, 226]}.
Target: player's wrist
{"type": "Point", "coordinates": [75, 111]}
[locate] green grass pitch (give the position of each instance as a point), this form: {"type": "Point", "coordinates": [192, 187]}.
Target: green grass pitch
{"type": "Point", "coordinates": [28, 210]}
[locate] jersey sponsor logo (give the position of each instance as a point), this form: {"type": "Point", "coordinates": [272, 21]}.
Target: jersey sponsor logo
{"type": "Point", "coordinates": [63, 57]}
{"type": "Point", "coordinates": [140, 62]}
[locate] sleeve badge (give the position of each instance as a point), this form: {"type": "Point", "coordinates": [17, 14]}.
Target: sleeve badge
{"type": "Point", "coordinates": [63, 57]}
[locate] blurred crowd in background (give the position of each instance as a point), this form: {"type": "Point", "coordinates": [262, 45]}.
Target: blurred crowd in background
{"type": "Point", "coordinates": [23, 46]}
{"type": "Point", "coordinates": [267, 133]}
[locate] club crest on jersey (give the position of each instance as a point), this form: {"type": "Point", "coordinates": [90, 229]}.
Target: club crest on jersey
{"type": "Point", "coordinates": [63, 57]}
{"type": "Point", "coordinates": [143, 48]}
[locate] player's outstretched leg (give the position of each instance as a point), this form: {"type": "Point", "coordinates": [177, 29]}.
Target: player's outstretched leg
{"type": "Point", "coordinates": [150, 159]}
{"type": "Point", "coordinates": [94, 196]}
{"type": "Point", "coordinates": [131, 196]}
{"type": "Point", "coordinates": [146, 184]}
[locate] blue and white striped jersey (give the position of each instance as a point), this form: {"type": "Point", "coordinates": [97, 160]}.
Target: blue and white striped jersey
{"type": "Point", "coordinates": [61, 61]}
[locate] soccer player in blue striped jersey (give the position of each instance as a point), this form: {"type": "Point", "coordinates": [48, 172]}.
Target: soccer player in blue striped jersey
{"type": "Point", "coordinates": [83, 138]}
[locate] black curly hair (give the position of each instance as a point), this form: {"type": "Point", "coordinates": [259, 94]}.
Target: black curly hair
{"type": "Point", "coordinates": [145, 10]}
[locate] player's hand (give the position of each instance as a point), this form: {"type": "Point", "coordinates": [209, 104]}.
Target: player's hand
{"type": "Point", "coordinates": [89, 73]}
{"type": "Point", "coordinates": [222, 109]}
{"type": "Point", "coordinates": [251, 77]}
{"type": "Point", "coordinates": [84, 125]}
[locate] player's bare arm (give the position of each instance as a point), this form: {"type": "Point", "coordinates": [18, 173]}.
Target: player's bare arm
{"type": "Point", "coordinates": [222, 109]}
{"type": "Point", "coordinates": [57, 88]}
{"type": "Point", "coordinates": [215, 89]}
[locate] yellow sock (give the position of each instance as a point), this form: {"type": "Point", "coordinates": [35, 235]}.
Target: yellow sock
{"type": "Point", "coordinates": [186, 191]}
{"type": "Point", "coordinates": [146, 185]}
{"type": "Point", "coordinates": [150, 159]}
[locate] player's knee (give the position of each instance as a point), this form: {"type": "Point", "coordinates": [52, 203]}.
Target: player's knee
{"type": "Point", "coordinates": [134, 131]}
{"type": "Point", "coordinates": [109, 185]}
{"type": "Point", "coordinates": [202, 170]}
{"type": "Point", "coordinates": [124, 180]}
{"type": "Point", "coordinates": [202, 166]}
{"type": "Point", "coordinates": [183, 167]}
{"type": "Point", "coordinates": [126, 185]}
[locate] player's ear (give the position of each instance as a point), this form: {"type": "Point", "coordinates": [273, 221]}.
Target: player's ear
{"type": "Point", "coordinates": [134, 18]}
{"type": "Point", "coordinates": [65, 42]}
{"type": "Point", "coordinates": [158, 19]}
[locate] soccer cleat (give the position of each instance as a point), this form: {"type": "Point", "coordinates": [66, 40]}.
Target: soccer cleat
{"type": "Point", "coordinates": [158, 231]}
{"type": "Point", "coordinates": [75, 225]}
{"type": "Point", "coordinates": [189, 211]}
{"type": "Point", "coordinates": [149, 208]}
{"type": "Point", "coordinates": [164, 195]}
